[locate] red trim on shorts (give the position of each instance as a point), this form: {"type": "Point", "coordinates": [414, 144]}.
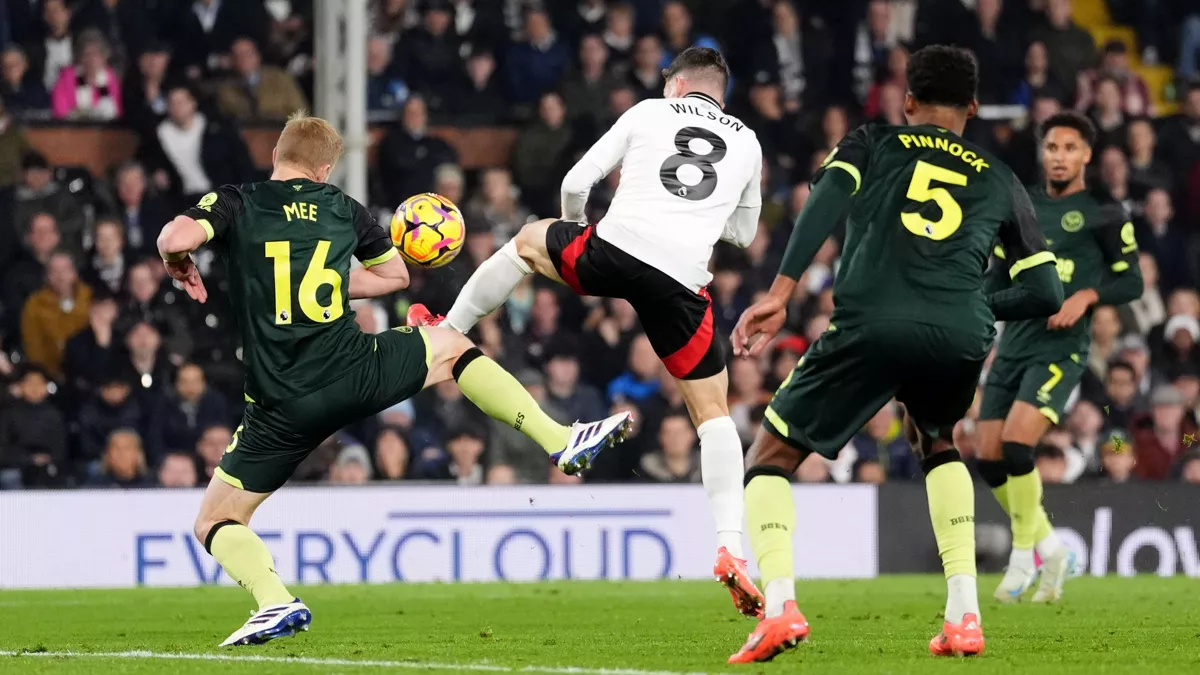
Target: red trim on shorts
{"type": "Point", "coordinates": [683, 362]}
{"type": "Point", "coordinates": [570, 256]}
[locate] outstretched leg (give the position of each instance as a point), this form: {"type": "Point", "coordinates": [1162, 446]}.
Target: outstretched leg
{"type": "Point", "coordinates": [501, 397]}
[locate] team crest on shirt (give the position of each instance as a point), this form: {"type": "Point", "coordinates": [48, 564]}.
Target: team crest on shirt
{"type": "Point", "coordinates": [1072, 221]}
{"type": "Point", "coordinates": [207, 201]}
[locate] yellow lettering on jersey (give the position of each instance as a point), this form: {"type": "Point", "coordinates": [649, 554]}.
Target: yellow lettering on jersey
{"type": "Point", "coordinates": [956, 149]}
{"type": "Point", "coordinates": [1066, 270]}
{"type": "Point", "coordinates": [301, 210]}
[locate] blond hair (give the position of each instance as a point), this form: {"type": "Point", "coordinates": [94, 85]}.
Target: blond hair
{"type": "Point", "coordinates": [308, 143]}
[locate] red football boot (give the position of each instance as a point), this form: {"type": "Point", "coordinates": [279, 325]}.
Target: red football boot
{"type": "Point", "coordinates": [964, 639]}
{"type": "Point", "coordinates": [774, 636]}
{"type": "Point", "coordinates": [731, 571]}
{"type": "Point", "coordinates": [419, 315]}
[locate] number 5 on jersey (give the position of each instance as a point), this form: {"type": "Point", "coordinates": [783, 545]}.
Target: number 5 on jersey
{"type": "Point", "coordinates": [920, 190]}
{"type": "Point", "coordinates": [315, 276]}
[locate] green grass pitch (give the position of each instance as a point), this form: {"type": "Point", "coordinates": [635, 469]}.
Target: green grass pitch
{"type": "Point", "coordinates": [878, 626]}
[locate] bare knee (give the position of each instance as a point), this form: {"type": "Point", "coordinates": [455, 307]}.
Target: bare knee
{"type": "Point", "coordinates": [530, 243]}
{"type": "Point", "coordinates": [770, 456]}
{"type": "Point", "coordinates": [448, 347]}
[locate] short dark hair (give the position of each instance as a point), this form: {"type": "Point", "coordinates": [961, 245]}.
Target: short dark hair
{"type": "Point", "coordinates": [1047, 451]}
{"type": "Point", "coordinates": [943, 75]}
{"type": "Point", "coordinates": [1122, 364]}
{"type": "Point", "coordinates": [703, 59]}
{"type": "Point", "coordinates": [1070, 119]}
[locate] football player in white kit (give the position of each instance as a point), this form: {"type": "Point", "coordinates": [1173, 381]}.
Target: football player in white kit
{"type": "Point", "coordinates": [690, 176]}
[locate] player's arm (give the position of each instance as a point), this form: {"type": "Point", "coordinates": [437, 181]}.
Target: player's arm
{"type": "Point", "coordinates": [1123, 281]}
{"type": "Point", "coordinates": [1037, 291]}
{"type": "Point", "coordinates": [834, 187]}
{"type": "Point", "coordinates": [595, 164]}
{"type": "Point", "coordinates": [742, 225]}
{"type": "Point", "coordinates": [383, 270]}
{"type": "Point", "coordinates": [209, 219]}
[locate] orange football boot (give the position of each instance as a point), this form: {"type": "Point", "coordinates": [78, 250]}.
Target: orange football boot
{"type": "Point", "coordinates": [774, 636]}
{"type": "Point", "coordinates": [731, 571]}
{"type": "Point", "coordinates": [965, 639]}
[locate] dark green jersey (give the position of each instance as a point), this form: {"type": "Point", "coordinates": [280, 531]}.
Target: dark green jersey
{"type": "Point", "coordinates": [288, 246]}
{"type": "Point", "coordinates": [1092, 237]}
{"type": "Point", "coordinates": [921, 225]}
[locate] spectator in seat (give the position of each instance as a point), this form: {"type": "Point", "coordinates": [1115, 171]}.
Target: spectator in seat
{"type": "Point", "coordinates": [352, 466]}
{"type": "Point", "coordinates": [145, 89]}
{"type": "Point", "coordinates": [997, 50]}
{"type": "Point", "coordinates": [895, 75]}
{"type": "Point", "coordinates": [538, 63]}
{"type": "Point", "coordinates": [386, 91]}
{"type": "Point", "coordinates": [20, 88]}
{"type": "Point", "coordinates": [1106, 331]}
{"type": "Point", "coordinates": [1107, 114]}
{"type": "Point", "coordinates": [1189, 468]}
{"type": "Point", "coordinates": [1134, 95]}
{"type": "Point", "coordinates": [482, 99]}
{"type": "Point", "coordinates": [28, 272]}
{"type": "Point", "coordinates": [464, 449]}
{"type": "Point", "coordinates": [125, 24]}
{"type": "Point", "coordinates": [147, 364]}
{"type": "Point", "coordinates": [1149, 310]}
{"type": "Point", "coordinates": [1088, 435]}
{"type": "Point", "coordinates": [149, 301]}
{"type": "Point", "coordinates": [89, 90]}
{"type": "Point", "coordinates": [203, 32]}
{"type": "Point", "coordinates": [585, 90]}
{"type": "Point", "coordinates": [14, 146]}
{"type": "Point", "coordinates": [177, 470]}
{"type": "Point", "coordinates": [1168, 241]}
{"type": "Point", "coordinates": [882, 441]}
{"type": "Point", "coordinates": [814, 469]}
{"type": "Point", "coordinates": [1039, 80]}
{"type": "Point", "coordinates": [392, 454]}
{"type": "Point", "coordinates": [56, 49]}
{"type": "Point", "coordinates": [124, 463]}
{"type": "Point", "coordinates": [1114, 176]}
{"type": "Point", "coordinates": [113, 406]}
{"type": "Point", "coordinates": [1182, 332]}
{"type": "Point", "coordinates": [211, 447]}
{"type": "Point", "coordinates": [40, 193]}
{"type": "Point", "coordinates": [54, 313]}
{"type": "Point", "coordinates": [190, 155]}
{"type": "Point", "coordinates": [1146, 172]}
{"type": "Point", "coordinates": [676, 460]}
{"type": "Point", "coordinates": [745, 394]}
{"type": "Point", "coordinates": [619, 35]}
{"type": "Point", "coordinates": [564, 391]}
{"type": "Point", "coordinates": [645, 76]}
{"type": "Point", "coordinates": [498, 205]}
{"type": "Point", "coordinates": [641, 381]}
{"type": "Point", "coordinates": [408, 153]}
{"type": "Point", "coordinates": [1161, 437]}
{"type": "Point", "coordinates": [1181, 138]}
{"type": "Point", "coordinates": [33, 434]}
{"type": "Point", "coordinates": [190, 409]}
{"type": "Point", "coordinates": [444, 408]}
{"type": "Point", "coordinates": [256, 91]}
{"type": "Point", "coordinates": [93, 351]}
{"type": "Point", "coordinates": [677, 32]}
{"type": "Point", "coordinates": [541, 154]}
{"type": "Point", "coordinates": [143, 214]}
{"type": "Point", "coordinates": [873, 41]}
{"type": "Point", "coordinates": [429, 54]}
{"type": "Point", "coordinates": [106, 264]}
{"type": "Point", "coordinates": [1116, 458]}
{"type": "Point", "coordinates": [1070, 48]}
{"type": "Point", "coordinates": [1051, 462]}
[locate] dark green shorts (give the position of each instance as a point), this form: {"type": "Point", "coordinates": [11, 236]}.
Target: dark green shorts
{"type": "Point", "coordinates": [1044, 383]}
{"type": "Point", "coordinates": [272, 441]}
{"type": "Point", "coordinates": [850, 373]}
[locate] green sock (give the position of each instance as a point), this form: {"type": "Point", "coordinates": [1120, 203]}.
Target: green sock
{"type": "Point", "coordinates": [246, 559]}
{"type": "Point", "coordinates": [1001, 494]}
{"type": "Point", "coordinates": [1042, 525]}
{"type": "Point", "coordinates": [1025, 508]}
{"type": "Point", "coordinates": [951, 497]}
{"type": "Point", "coordinates": [771, 522]}
{"type": "Point", "coordinates": [501, 397]}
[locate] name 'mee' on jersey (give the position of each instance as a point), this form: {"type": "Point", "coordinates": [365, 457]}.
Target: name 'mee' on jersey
{"type": "Point", "coordinates": [288, 246]}
{"type": "Point", "coordinates": [927, 209]}
{"type": "Point", "coordinates": [686, 168]}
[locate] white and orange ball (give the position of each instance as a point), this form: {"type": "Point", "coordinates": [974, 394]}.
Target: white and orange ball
{"type": "Point", "coordinates": [428, 230]}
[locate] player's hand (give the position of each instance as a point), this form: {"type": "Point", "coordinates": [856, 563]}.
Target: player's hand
{"type": "Point", "coordinates": [185, 272]}
{"type": "Point", "coordinates": [758, 325]}
{"type": "Point", "coordinates": [1072, 310]}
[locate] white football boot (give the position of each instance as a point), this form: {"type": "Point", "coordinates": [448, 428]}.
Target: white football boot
{"type": "Point", "coordinates": [1017, 580]}
{"type": "Point", "coordinates": [268, 623]}
{"type": "Point", "coordinates": [1055, 571]}
{"type": "Point", "coordinates": [588, 439]}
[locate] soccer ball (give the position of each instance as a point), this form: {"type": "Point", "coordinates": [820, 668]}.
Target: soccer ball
{"type": "Point", "coordinates": [428, 230]}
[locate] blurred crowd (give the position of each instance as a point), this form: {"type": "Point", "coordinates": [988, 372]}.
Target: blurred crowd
{"type": "Point", "coordinates": [115, 378]}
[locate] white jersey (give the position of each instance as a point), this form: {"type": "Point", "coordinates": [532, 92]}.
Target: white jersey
{"type": "Point", "coordinates": [690, 176]}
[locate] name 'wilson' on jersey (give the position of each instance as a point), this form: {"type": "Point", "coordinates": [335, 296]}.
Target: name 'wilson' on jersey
{"type": "Point", "coordinates": [686, 166]}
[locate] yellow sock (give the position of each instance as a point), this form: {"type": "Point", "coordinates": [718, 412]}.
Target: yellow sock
{"type": "Point", "coordinates": [1043, 528]}
{"type": "Point", "coordinates": [1025, 508]}
{"type": "Point", "coordinates": [501, 397]}
{"type": "Point", "coordinates": [771, 522]}
{"type": "Point", "coordinates": [246, 559]}
{"type": "Point", "coordinates": [952, 511]}
{"type": "Point", "coordinates": [1001, 495]}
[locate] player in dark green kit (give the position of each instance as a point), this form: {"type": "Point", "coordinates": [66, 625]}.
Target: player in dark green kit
{"type": "Point", "coordinates": [1039, 363]}
{"type": "Point", "coordinates": [309, 369]}
{"type": "Point", "coordinates": [912, 321]}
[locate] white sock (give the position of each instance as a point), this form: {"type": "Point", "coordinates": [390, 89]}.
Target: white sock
{"type": "Point", "coordinates": [1021, 558]}
{"type": "Point", "coordinates": [488, 288]}
{"type": "Point", "coordinates": [721, 466]}
{"type": "Point", "coordinates": [961, 598]}
{"type": "Point", "coordinates": [779, 591]}
{"type": "Point", "coordinates": [1050, 546]}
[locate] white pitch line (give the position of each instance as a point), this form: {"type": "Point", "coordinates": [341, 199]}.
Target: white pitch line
{"type": "Point", "coordinates": [312, 661]}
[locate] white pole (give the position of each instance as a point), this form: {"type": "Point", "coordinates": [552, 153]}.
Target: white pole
{"type": "Point", "coordinates": [355, 100]}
